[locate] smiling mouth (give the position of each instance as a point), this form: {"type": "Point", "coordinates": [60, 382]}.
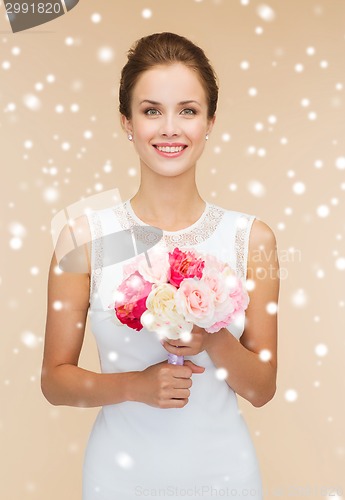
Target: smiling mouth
{"type": "Point", "coordinates": [170, 149]}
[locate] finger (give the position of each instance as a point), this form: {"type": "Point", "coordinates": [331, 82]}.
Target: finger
{"type": "Point", "coordinates": [197, 329]}
{"type": "Point", "coordinates": [172, 348]}
{"type": "Point", "coordinates": [198, 369]}
{"type": "Point", "coordinates": [178, 342]}
{"type": "Point", "coordinates": [195, 368]}
{"type": "Point", "coordinates": [181, 393]}
{"type": "Point", "coordinates": [178, 403]}
{"type": "Point", "coordinates": [174, 343]}
{"type": "Point", "coordinates": [181, 374]}
{"type": "Point", "coordinates": [173, 403]}
{"type": "Point", "coordinates": [182, 383]}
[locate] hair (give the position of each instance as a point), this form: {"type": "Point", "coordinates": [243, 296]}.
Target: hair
{"type": "Point", "coordinates": [166, 49]}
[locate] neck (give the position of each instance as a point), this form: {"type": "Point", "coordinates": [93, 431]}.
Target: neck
{"type": "Point", "coordinates": [167, 201]}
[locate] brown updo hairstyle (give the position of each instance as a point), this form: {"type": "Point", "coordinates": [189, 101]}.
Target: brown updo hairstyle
{"type": "Point", "coordinates": [164, 49]}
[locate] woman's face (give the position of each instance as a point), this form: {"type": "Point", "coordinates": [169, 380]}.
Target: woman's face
{"type": "Point", "coordinates": [169, 119]}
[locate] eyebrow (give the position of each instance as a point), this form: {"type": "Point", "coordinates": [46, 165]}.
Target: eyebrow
{"type": "Point", "coordinates": [182, 103]}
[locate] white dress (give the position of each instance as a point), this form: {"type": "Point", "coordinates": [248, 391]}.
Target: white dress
{"type": "Point", "coordinates": [203, 450]}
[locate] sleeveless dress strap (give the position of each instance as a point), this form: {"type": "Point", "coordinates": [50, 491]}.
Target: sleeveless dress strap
{"type": "Point", "coordinates": [243, 226]}
{"type": "Point", "coordinates": [97, 233]}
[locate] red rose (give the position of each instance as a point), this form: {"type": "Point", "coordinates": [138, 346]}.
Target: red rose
{"type": "Point", "coordinates": [184, 265]}
{"type": "Point", "coordinates": [129, 309]}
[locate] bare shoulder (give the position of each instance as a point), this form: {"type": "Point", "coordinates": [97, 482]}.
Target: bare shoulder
{"type": "Point", "coordinates": [261, 234]}
{"type": "Point", "coordinates": [262, 250]}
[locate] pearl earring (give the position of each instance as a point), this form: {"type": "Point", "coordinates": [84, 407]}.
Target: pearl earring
{"type": "Point", "coordinates": [206, 137]}
{"type": "Point", "coordinates": [130, 137]}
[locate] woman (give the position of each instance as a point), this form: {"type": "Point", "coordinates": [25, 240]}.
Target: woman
{"type": "Point", "coordinates": [165, 429]}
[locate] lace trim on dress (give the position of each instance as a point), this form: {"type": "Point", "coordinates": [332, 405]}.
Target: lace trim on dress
{"type": "Point", "coordinates": [97, 251]}
{"type": "Point", "coordinates": [241, 242]}
{"type": "Point", "coordinates": [188, 237]}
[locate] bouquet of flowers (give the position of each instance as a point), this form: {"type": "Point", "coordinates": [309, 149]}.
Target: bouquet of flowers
{"type": "Point", "coordinates": [177, 290]}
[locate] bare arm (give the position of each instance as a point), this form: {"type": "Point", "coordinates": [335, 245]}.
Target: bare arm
{"type": "Point", "coordinates": [249, 375]}
{"type": "Point", "coordinates": [63, 382]}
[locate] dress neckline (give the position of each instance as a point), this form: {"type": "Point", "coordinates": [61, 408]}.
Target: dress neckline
{"type": "Point", "coordinates": [129, 207]}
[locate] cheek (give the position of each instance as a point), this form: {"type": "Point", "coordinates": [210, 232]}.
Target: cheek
{"type": "Point", "coordinates": [197, 131]}
{"type": "Point", "coordinates": [197, 137]}
{"type": "Point", "coordinates": [144, 128]}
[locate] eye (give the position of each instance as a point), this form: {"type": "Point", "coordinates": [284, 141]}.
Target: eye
{"type": "Point", "coordinates": [189, 111]}
{"type": "Point", "coordinates": [151, 111]}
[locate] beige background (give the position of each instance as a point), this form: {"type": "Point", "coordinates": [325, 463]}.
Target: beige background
{"type": "Point", "coordinates": [300, 443]}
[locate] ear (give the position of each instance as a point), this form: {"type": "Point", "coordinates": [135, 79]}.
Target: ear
{"type": "Point", "coordinates": [210, 124]}
{"type": "Point", "coordinates": [126, 124]}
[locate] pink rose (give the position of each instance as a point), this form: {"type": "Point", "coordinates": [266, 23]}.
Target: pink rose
{"type": "Point", "coordinates": [216, 282]}
{"type": "Point", "coordinates": [223, 303]}
{"type": "Point", "coordinates": [238, 299]}
{"type": "Point", "coordinates": [131, 267]}
{"type": "Point", "coordinates": [155, 269]}
{"type": "Point", "coordinates": [237, 289]}
{"type": "Point", "coordinates": [195, 301]}
{"type": "Point", "coordinates": [130, 302]}
{"type": "Point", "coordinates": [158, 269]}
{"type": "Point", "coordinates": [212, 263]}
{"type": "Point", "coordinates": [184, 265]}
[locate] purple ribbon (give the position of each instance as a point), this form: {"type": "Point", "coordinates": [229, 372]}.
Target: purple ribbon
{"type": "Point", "coordinates": [175, 359]}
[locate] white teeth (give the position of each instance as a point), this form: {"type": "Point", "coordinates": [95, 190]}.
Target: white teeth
{"type": "Point", "coordinates": [168, 149]}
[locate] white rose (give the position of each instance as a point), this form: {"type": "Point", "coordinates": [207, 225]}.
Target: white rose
{"type": "Point", "coordinates": [161, 315]}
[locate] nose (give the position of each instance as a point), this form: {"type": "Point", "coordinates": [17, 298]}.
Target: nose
{"type": "Point", "coordinates": [169, 126]}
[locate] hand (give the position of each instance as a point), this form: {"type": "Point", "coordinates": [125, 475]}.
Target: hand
{"type": "Point", "coordinates": [164, 385]}
{"type": "Point", "coordinates": [197, 343]}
